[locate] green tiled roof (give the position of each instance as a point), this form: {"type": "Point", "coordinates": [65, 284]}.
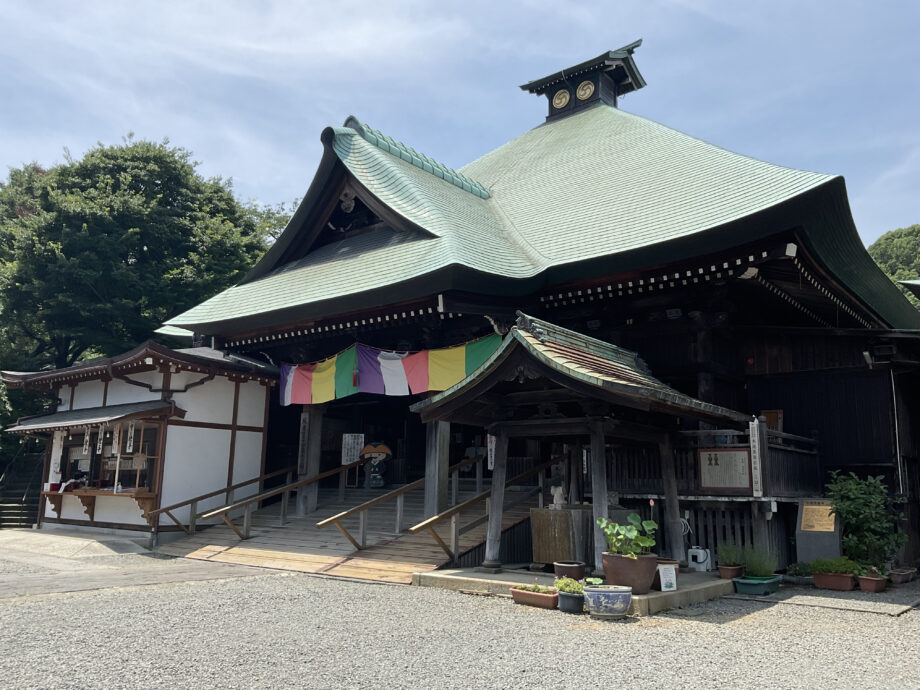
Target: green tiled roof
{"type": "Point", "coordinates": [612, 370]}
{"type": "Point", "coordinates": [419, 160]}
{"type": "Point", "coordinates": [595, 193]}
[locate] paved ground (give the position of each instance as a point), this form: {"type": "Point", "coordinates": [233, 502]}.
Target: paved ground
{"type": "Point", "coordinates": [262, 628]}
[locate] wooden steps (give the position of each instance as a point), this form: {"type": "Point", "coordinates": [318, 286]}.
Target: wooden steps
{"type": "Point", "coordinates": [302, 547]}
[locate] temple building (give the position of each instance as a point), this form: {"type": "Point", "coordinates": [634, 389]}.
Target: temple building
{"type": "Point", "coordinates": [662, 319]}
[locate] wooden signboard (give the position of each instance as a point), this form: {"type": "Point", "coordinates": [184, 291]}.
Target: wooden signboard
{"type": "Point", "coordinates": [725, 470]}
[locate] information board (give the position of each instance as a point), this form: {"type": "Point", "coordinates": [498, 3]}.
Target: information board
{"type": "Point", "coordinates": [817, 517]}
{"type": "Point", "coordinates": [725, 469]}
{"type": "Point", "coordinates": [351, 448]}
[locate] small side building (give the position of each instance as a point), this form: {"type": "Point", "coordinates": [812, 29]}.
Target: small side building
{"type": "Point", "coordinates": [148, 428]}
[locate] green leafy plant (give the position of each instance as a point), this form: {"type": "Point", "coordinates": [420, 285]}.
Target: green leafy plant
{"type": "Point", "coordinates": [730, 554]}
{"type": "Point", "coordinates": [630, 540]}
{"type": "Point", "coordinates": [539, 589]}
{"type": "Point", "coordinates": [870, 523]}
{"type": "Point", "coordinates": [871, 571]}
{"type": "Point", "coordinates": [842, 565]}
{"type": "Point", "coordinates": [799, 569]}
{"type": "Point", "coordinates": [569, 585]}
{"type": "Point", "coordinates": [593, 581]}
{"type": "Point", "coordinates": [759, 562]}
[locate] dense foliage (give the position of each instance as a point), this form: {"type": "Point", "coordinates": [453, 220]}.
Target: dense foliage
{"type": "Point", "coordinates": [870, 523]}
{"type": "Point", "coordinates": [96, 253]}
{"type": "Point", "coordinates": [630, 540]}
{"type": "Point", "coordinates": [898, 254]}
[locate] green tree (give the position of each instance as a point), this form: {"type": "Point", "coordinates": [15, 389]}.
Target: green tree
{"type": "Point", "coordinates": [898, 254]}
{"type": "Point", "coordinates": [96, 253]}
{"type": "Point", "coordinates": [270, 219]}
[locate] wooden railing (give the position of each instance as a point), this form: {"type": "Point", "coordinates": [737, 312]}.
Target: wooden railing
{"type": "Point", "coordinates": [453, 513]}
{"type": "Point", "coordinates": [400, 495]}
{"type": "Point", "coordinates": [194, 515]}
{"type": "Point", "coordinates": [790, 465]}
{"type": "Point", "coordinates": [247, 504]}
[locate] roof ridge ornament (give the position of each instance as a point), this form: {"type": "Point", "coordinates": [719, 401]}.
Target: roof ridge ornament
{"type": "Point", "coordinates": [419, 160]}
{"type": "Point", "coordinates": [600, 80]}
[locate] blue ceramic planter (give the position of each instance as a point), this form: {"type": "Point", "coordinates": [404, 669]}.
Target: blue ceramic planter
{"type": "Point", "coordinates": [608, 601]}
{"type": "Point", "coordinates": [757, 586]}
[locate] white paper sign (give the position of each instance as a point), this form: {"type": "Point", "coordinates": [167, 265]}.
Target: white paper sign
{"type": "Point", "coordinates": [725, 468]}
{"type": "Point", "coordinates": [129, 441]}
{"type": "Point", "coordinates": [490, 443]}
{"type": "Point", "coordinates": [100, 439]}
{"type": "Point", "coordinates": [351, 448]}
{"type": "Point", "coordinates": [57, 448]}
{"type": "Point", "coordinates": [116, 439]}
{"type": "Point", "coordinates": [86, 435]}
{"type": "Point", "coordinates": [756, 479]}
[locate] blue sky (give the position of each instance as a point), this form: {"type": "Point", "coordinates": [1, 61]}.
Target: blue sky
{"type": "Point", "coordinates": [830, 86]}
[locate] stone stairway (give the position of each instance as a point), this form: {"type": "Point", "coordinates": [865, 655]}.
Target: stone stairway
{"type": "Point", "coordinates": [20, 492]}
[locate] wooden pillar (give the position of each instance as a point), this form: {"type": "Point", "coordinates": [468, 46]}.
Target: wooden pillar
{"type": "Point", "coordinates": [672, 525]}
{"type": "Point", "coordinates": [598, 489]}
{"type": "Point", "coordinates": [437, 462]}
{"type": "Point", "coordinates": [308, 456]}
{"type": "Point", "coordinates": [492, 562]}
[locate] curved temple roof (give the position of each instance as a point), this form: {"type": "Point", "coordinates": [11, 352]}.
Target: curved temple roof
{"type": "Point", "coordinates": [593, 193]}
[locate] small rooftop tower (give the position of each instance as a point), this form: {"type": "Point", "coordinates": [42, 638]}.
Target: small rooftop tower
{"type": "Point", "coordinates": [601, 79]}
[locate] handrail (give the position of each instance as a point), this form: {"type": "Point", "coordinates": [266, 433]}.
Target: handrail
{"type": "Point", "coordinates": [393, 494]}
{"type": "Point", "coordinates": [223, 490]}
{"type": "Point", "coordinates": [247, 503]}
{"type": "Point", "coordinates": [398, 494]}
{"type": "Point", "coordinates": [454, 512]}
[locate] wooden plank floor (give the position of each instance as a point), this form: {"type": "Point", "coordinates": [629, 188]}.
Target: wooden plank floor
{"type": "Point", "coordinates": [300, 546]}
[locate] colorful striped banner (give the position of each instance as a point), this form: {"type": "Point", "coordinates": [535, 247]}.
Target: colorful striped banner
{"type": "Point", "coordinates": [364, 369]}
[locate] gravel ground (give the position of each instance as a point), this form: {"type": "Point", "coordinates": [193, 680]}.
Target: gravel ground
{"type": "Point", "coordinates": [277, 630]}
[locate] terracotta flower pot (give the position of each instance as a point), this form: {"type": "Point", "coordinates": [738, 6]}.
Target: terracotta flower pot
{"type": "Point", "coordinates": [638, 573]}
{"type": "Point", "coordinates": [538, 599]}
{"type": "Point", "coordinates": [871, 584]}
{"type": "Point", "coordinates": [730, 572]}
{"type": "Point", "coordinates": [840, 581]}
{"type": "Point", "coordinates": [900, 576]}
{"type": "Point", "coordinates": [572, 569]}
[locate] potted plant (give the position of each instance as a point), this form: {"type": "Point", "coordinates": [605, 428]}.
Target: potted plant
{"type": "Point", "coordinates": [760, 576]}
{"type": "Point", "coordinates": [630, 561]}
{"type": "Point", "coordinates": [730, 558]}
{"type": "Point", "coordinates": [834, 573]}
{"type": "Point", "coordinates": [535, 595]}
{"type": "Point", "coordinates": [871, 578]}
{"type": "Point", "coordinates": [798, 574]}
{"type": "Point", "coordinates": [900, 576]}
{"type": "Point", "coordinates": [571, 595]}
{"type": "Point", "coordinates": [571, 569]}
{"type": "Point", "coordinates": [606, 602]}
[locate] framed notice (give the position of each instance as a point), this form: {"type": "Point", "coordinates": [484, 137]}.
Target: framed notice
{"type": "Point", "coordinates": [351, 448]}
{"type": "Point", "coordinates": [817, 517]}
{"type": "Point", "coordinates": [725, 470]}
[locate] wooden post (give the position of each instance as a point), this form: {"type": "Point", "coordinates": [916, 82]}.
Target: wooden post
{"type": "Point", "coordinates": [247, 520]}
{"type": "Point", "coordinates": [455, 535]}
{"type": "Point", "coordinates": [314, 454]}
{"type": "Point", "coordinates": [362, 529]}
{"type": "Point", "coordinates": [492, 562]}
{"type": "Point", "coordinates": [437, 462]}
{"type": "Point", "coordinates": [400, 508]}
{"type": "Point", "coordinates": [598, 489]}
{"type": "Point", "coordinates": [541, 482]}
{"type": "Point", "coordinates": [285, 499]}
{"type": "Point", "coordinates": [479, 476]}
{"type": "Point", "coordinates": [672, 525]}
{"type": "Point", "coordinates": [192, 516]}
{"type": "Point", "coordinates": [454, 487]}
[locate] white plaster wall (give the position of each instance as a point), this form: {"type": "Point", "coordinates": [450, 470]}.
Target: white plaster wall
{"type": "Point", "coordinates": [117, 509]}
{"type": "Point", "coordinates": [87, 394]}
{"type": "Point", "coordinates": [247, 461]}
{"type": "Point", "coordinates": [196, 462]}
{"type": "Point", "coordinates": [121, 392]}
{"type": "Point", "coordinates": [252, 404]}
{"type": "Point", "coordinates": [63, 396]}
{"type": "Point", "coordinates": [210, 402]}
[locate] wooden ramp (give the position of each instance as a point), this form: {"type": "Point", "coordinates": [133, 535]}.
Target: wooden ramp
{"type": "Point", "coordinates": [300, 546]}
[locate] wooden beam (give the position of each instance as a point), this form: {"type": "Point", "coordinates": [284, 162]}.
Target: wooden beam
{"type": "Point", "coordinates": [598, 489]}
{"type": "Point", "coordinates": [672, 522]}
{"type": "Point", "coordinates": [437, 461]}
{"type": "Point", "coordinates": [492, 560]}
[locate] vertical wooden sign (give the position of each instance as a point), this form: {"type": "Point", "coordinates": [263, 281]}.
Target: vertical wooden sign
{"type": "Point", "coordinates": [490, 444]}
{"type": "Point", "coordinates": [757, 444]}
